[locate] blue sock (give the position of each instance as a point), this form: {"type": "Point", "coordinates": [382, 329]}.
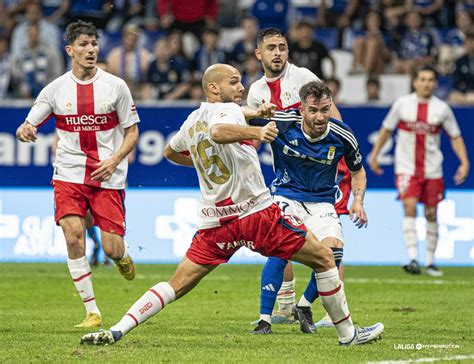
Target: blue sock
{"type": "Point", "coordinates": [311, 292]}
{"type": "Point", "coordinates": [271, 281]}
{"type": "Point", "coordinates": [117, 335]}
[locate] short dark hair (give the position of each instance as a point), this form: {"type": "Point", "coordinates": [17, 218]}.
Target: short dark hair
{"type": "Point", "coordinates": [424, 68]}
{"type": "Point", "coordinates": [317, 89]}
{"type": "Point", "coordinates": [75, 29]}
{"type": "Point", "coordinates": [373, 80]}
{"type": "Point", "coordinates": [269, 32]}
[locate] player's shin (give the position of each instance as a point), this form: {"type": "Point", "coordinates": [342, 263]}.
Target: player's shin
{"type": "Point", "coordinates": [82, 276]}
{"type": "Point", "coordinates": [409, 234]}
{"type": "Point", "coordinates": [432, 241]}
{"type": "Point", "coordinates": [152, 302]}
{"type": "Point", "coordinates": [271, 281]}
{"type": "Point", "coordinates": [334, 301]}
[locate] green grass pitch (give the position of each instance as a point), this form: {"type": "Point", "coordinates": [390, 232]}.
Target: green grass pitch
{"type": "Point", "coordinates": [39, 307]}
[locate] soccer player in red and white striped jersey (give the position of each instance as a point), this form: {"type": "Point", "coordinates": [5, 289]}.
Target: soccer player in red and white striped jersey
{"type": "Point", "coordinates": [419, 118]}
{"type": "Point", "coordinates": [96, 123]}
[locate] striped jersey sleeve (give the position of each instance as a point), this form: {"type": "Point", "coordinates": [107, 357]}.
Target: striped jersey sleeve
{"type": "Point", "coordinates": [351, 146]}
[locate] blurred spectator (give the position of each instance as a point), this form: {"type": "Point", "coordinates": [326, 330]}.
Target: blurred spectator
{"type": "Point", "coordinates": [417, 47]}
{"type": "Point", "coordinates": [272, 13]}
{"type": "Point", "coordinates": [208, 53]}
{"type": "Point", "coordinates": [97, 12]}
{"type": "Point", "coordinates": [310, 53]}
{"type": "Point", "coordinates": [465, 5]}
{"type": "Point", "coordinates": [5, 68]}
{"type": "Point", "coordinates": [166, 80]}
{"type": "Point", "coordinates": [430, 10]}
{"type": "Point", "coordinates": [246, 45]}
{"type": "Point", "coordinates": [252, 71]}
{"type": "Point", "coordinates": [175, 44]}
{"type": "Point", "coordinates": [130, 60]}
{"type": "Point", "coordinates": [335, 86]}
{"type": "Point", "coordinates": [452, 47]}
{"type": "Point", "coordinates": [370, 50]}
{"type": "Point", "coordinates": [196, 92]}
{"type": "Point", "coordinates": [55, 11]}
{"type": "Point", "coordinates": [124, 11]}
{"type": "Point", "coordinates": [336, 13]}
{"type": "Point", "coordinates": [48, 32]}
{"type": "Point", "coordinates": [372, 87]}
{"type": "Point", "coordinates": [36, 65]}
{"type": "Point", "coordinates": [187, 15]}
{"type": "Point", "coordinates": [9, 11]}
{"type": "Point", "coordinates": [392, 11]}
{"type": "Point", "coordinates": [463, 75]}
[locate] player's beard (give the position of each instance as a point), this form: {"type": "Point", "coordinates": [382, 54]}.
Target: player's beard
{"type": "Point", "coordinates": [226, 98]}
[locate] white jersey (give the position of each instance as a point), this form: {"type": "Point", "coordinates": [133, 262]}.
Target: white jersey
{"type": "Point", "coordinates": [90, 120]}
{"type": "Point", "coordinates": [230, 178]}
{"type": "Point", "coordinates": [282, 91]}
{"type": "Point", "coordinates": [419, 124]}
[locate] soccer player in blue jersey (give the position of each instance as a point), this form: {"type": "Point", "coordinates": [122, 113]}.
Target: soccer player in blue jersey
{"type": "Point", "coordinates": [306, 154]}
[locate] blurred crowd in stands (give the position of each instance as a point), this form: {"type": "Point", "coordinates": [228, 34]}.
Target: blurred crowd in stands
{"type": "Point", "coordinates": [161, 47]}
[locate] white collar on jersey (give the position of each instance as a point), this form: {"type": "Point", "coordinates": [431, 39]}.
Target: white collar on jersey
{"type": "Point", "coordinates": [314, 140]}
{"type": "Point", "coordinates": [287, 66]}
{"type": "Point", "coordinates": [87, 82]}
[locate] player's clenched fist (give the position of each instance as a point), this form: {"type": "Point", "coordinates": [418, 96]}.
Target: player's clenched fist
{"type": "Point", "coordinates": [269, 132]}
{"type": "Point", "coordinates": [26, 132]}
{"type": "Point", "coordinates": [266, 110]}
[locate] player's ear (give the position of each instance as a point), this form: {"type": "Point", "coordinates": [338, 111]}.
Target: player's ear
{"type": "Point", "coordinates": [258, 54]}
{"type": "Point", "coordinates": [213, 88]}
{"type": "Point", "coordinates": [68, 50]}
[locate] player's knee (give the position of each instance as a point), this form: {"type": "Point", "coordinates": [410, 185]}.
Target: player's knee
{"type": "Point", "coordinates": [323, 258]}
{"type": "Point", "coordinates": [430, 214]}
{"type": "Point", "coordinates": [332, 242]}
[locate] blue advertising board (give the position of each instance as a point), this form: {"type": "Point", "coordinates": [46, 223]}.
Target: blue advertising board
{"type": "Point", "coordinates": [162, 222]}
{"type": "Point", "coordinates": [29, 164]}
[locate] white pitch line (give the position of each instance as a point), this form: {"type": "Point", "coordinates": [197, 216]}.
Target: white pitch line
{"type": "Point", "coordinates": [423, 360]}
{"type": "Point", "coordinates": [436, 282]}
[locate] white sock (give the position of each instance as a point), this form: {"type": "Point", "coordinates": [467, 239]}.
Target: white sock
{"type": "Point", "coordinates": [303, 302]}
{"type": "Point", "coordinates": [286, 296]}
{"type": "Point", "coordinates": [334, 301]}
{"type": "Point", "coordinates": [82, 276]}
{"type": "Point", "coordinates": [152, 302]}
{"type": "Point", "coordinates": [409, 234]}
{"type": "Point", "coordinates": [431, 240]}
{"type": "Point", "coordinates": [267, 318]}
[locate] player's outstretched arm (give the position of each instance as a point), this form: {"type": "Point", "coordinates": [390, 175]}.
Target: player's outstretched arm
{"type": "Point", "coordinates": [459, 148]}
{"type": "Point", "coordinates": [107, 167]}
{"type": "Point", "coordinates": [229, 133]}
{"type": "Point", "coordinates": [384, 134]}
{"type": "Point", "coordinates": [26, 132]}
{"type": "Point", "coordinates": [180, 158]}
{"type": "Point", "coordinates": [356, 211]}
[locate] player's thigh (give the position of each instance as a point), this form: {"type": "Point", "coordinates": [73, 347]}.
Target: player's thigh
{"type": "Point", "coordinates": [188, 275]}
{"type": "Point", "coordinates": [107, 208]}
{"type": "Point", "coordinates": [314, 254]}
{"type": "Point", "coordinates": [324, 223]}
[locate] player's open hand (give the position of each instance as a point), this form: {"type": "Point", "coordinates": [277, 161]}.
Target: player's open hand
{"type": "Point", "coordinates": [26, 133]}
{"type": "Point", "coordinates": [357, 214]}
{"type": "Point", "coordinates": [105, 170]}
{"type": "Point", "coordinates": [461, 174]}
{"type": "Point", "coordinates": [269, 132]}
{"type": "Point", "coordinates": [374, 165]}
{"type": "Point", "coordinates": [266, 110]}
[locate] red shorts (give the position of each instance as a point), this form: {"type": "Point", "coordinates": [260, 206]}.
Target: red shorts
{"type": "Point", "coordinates": [267, 232]}
{"type": "Point", "coordinates": [106, 206]}
{"type": "Point", "coordinates": [428, 191]}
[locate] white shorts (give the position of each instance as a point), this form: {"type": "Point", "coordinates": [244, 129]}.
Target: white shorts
{"type": "Point", "coordinates": [319, 217]}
